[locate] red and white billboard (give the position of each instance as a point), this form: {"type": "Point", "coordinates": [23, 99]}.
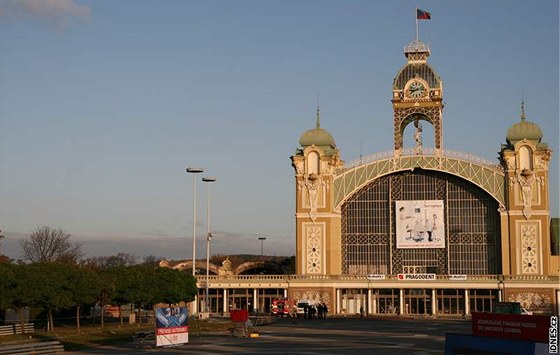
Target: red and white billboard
{"type": "Point", "coordinates": [171, 326]}
{"type": "Point", "coordinates": [419, 224]}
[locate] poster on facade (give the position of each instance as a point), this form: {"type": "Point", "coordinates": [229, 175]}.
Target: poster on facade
{"type": "Point", "coordinates": [419, 224]}
{"type": "Point", "coordinates": [171, 326]}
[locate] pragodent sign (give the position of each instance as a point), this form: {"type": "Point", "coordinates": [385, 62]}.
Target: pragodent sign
{"type": "Point", "coordinates": [416, 277]}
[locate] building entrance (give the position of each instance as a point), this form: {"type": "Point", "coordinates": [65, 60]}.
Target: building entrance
{"type": "Point", "coordinates": [240, 298]}
{"type": "Point", "coordinates": [418, 301]}
{"type": "Point", "coordinates": [387, 301]}
{"type": "Point", "coordinates": [353, 301]}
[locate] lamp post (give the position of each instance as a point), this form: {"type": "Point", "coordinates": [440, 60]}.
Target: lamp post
{"type": "Point", "coordinates": [500, 288]}
{"type": "Point", "coordinates": [262, 239]}
{"type": "Point", "coordinates": [194, 170]}
{"type": "Point", "coordinates": [208, 179]}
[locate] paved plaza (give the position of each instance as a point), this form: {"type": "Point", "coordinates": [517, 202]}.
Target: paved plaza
{"type": "Point", "coordinates": [328, 336]}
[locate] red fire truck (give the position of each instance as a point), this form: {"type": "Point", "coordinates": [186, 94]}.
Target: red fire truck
{"type": "Point", "coordinates": [282, 307]}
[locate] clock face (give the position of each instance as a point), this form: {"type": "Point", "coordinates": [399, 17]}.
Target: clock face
{"type": "Point", "coordinates": [416, 90]}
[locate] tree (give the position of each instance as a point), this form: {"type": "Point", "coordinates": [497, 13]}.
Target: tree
{"type": "Point", "coordinates": [52, 287]}
{"type": "Point", "coordinates": [173, 286]}
{"type": "Point", "coordinates": [1, 237]}
{"type": "Point", "coordinates": [86, 286]}
{"type": "Point", "coordinates": [46, 244]}
{"type": "Point", "coordinates": [108, 287]}
{"type": "Point", "coordinates": [128, 279]}
{"type": "Point", "coordinates": [3, 258]}
{"type": "Point", "coordinates": [152, 260]}
{"type": "Point", "coordinates": [7, 285]}
{"type": "Point", "coordinates": [120, 259]}
{"type": "Point", "coordinates": [22, 290]}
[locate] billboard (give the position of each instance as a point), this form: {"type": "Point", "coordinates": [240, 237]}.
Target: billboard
{"type": "Point", "coordinates": [512, 326]}
{"type": "Point", "coordinates": [419, 224]}
{"type": "Point", "coordinates": [171, 326]}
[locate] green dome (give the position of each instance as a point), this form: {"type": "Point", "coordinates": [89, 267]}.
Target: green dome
{"type": "Point", "coordinates": [524, 130]}
{"type": "Point", "coordinates": [317, 136]}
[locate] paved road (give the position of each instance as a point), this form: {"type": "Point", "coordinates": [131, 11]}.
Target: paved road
{"type": "Point", "coordinates": [325, 337]}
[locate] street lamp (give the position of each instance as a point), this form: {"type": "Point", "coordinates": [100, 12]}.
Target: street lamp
{"type": "Point", "coordinates": [262, 239]}
{"type": "Point", "coordinates": [194, 170]}
{"type": "Point", "coordinates": [501, 288]}
{"type": "Point", "coordinates": [208, 179]}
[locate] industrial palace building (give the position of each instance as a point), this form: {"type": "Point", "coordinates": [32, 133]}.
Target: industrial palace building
{"type": "Point", "coordinates": [413, 231]}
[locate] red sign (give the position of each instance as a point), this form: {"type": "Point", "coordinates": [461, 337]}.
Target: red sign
{"type": "Point", "coordinates": [239, 315]}
{"type": "Point", "coordinates": [511, 326]}
{"type": "Point", "coordinates": [162, 331]}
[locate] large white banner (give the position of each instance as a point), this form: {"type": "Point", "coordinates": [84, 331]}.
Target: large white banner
{"type": "Point", "coordinates": [420, 224]}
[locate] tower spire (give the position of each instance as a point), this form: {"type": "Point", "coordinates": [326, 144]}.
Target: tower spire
{"type": "Point", "coordinates": [318, 121]}
{"type": "Point", "coordinates": [522, 110]}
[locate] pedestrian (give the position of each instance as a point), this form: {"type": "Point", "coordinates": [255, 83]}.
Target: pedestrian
{"type": "Point", "coordinates": [325, 310]}
{"type": "Point", "coordinates": [362, 311]}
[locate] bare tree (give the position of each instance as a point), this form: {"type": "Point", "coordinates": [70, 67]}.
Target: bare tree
{"type": "Point", "coordinates": [1, 237]}
{"type": "Point", "coordinates": [152, 260]}
{"type": "Point", "coordinates": [120, 259]}
{"type": "Point", "coordinates": [50, 244]}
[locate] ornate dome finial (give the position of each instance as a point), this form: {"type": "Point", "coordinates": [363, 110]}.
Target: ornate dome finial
{"type": "Point", "coordinates": [522, 110]}
{"type": "Point", "coordinates": [318, 121]}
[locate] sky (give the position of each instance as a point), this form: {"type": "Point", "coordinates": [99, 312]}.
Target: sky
{"type": "Point", "coordinates": [103, 105]}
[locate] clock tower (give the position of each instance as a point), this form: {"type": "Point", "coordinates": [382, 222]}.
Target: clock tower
{"type": "Point", "coordinates": [417, 96]}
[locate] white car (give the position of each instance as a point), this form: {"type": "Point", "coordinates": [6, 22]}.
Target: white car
{"type": "Point", "coordinates": [301, 306]}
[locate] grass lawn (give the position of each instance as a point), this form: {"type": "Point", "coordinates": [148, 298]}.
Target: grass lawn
{"type": "Point", "coordinates": [91, 337]}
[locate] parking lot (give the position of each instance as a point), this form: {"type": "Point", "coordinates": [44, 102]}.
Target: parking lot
{"type": "Point", "coordinates": [325, 336]}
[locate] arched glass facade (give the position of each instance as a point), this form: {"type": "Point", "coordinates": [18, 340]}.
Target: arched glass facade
{"type": "Point", "coordinates": [472, 227]}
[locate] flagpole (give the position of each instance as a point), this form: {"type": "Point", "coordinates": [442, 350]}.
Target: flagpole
{"type": "Point", "coordinates": [416, 15]}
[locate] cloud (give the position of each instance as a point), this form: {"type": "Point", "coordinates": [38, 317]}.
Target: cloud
{"type": "Point", "coordinates": [58, 13]}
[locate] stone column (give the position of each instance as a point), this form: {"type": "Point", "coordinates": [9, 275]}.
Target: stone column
{"type": "Point", "coordinates": [434, 302]}
{"type": "Point", "coordinates": [255, 300]}
{"type": "Point", "coordinates": [401, 301]}
{"type": "Point", "coordinates": [225, 308]}
{"type": "Point", "coordinates": [467, 303]}
{"type": "Point", "coordinates": [337, 301]}
{"type": "Point", "coordinates": [369, 301]}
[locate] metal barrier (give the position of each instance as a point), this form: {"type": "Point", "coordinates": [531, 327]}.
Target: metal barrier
{"type": "Point", "coordinates": [16, 329]}
{"type": "Point", "coordinates": [45, 348]}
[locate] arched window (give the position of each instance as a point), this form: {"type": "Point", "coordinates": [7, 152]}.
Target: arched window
{"type": "Point", "coordinates": [313, 163]}
{"type": "Point", "coordinates": [525, 158]}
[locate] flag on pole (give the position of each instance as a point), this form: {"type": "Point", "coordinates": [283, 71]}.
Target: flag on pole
{"type": "Point", "coordinates": [423, 15]}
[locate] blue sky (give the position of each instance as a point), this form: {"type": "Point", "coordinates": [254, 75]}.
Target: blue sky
{"type": "Point", "coordinates": [103, 104]}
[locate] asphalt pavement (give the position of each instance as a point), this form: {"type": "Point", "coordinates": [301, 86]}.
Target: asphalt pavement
{"type": "Point", "coordinates": [352, 335]}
